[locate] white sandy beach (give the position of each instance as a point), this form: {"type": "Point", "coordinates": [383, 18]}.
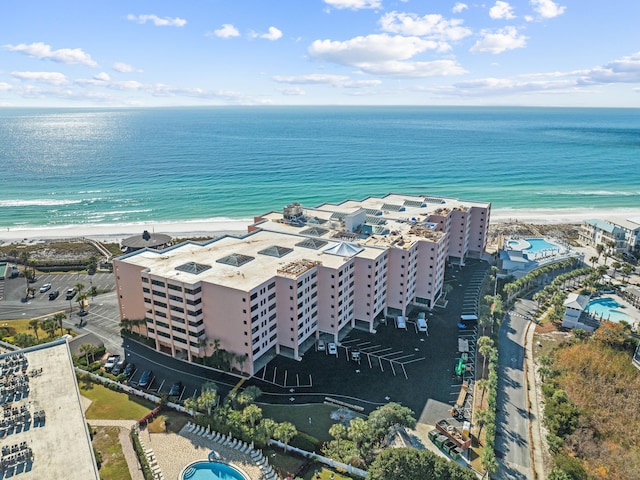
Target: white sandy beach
{"type": "Point", "coordinates": [117, 232]}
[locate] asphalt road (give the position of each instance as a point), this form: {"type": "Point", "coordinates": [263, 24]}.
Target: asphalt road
{"type": "Point", "coordinates": [513, 449]}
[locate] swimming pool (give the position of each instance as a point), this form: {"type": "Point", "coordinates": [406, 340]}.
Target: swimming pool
{"type": "Point", "coordinates": [540, 245]}
{"type": "Point", "coordinates": [204, 470]}
{"type": "Point", "coordinates": [607, 309]}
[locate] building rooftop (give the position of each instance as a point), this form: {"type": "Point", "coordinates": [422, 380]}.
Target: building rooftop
{"type": "Point", "coordinates": [323, 235]}
{"type": "Point", "coordinates": [45, 425]}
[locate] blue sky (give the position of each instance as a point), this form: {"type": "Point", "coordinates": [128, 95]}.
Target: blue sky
{"type": "Point", "coordinates": [319, 52]}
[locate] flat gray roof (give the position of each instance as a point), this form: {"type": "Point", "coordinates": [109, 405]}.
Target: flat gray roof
{"type": "Point", "coordinates": [49, 422]}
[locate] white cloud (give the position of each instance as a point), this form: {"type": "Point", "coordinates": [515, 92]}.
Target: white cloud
{"type": "Point", "coordinates": [5, 87]}
{"type": "Point", "coordinates": [354, 4]}
{"type": "Point", "coordinates": [52, 78]}
{"type": "Point", "coordinates": [341, 81]}
{"type": "Point", "coordinates": [501, 10]}
{"type": "Point", "coordinates": [292, 91]}
{"type": "Point", "coordinates": [227, 31]}
{"type": "Point", "coordinates": [547, 8]}
{"type": "Point", "coordinates": [487, 87]}
{"type": "Point", "coordinates": [437, 68]}
{"type": "Point", "coordinates": [625, 70]}
{"type": "Point", "coordinates": [459, 7]}
{"type": "Point", "coordinates": [157, 21]}
{"type": "Point", "coordinates": [273, 34]}
{"type": "Point", "coordinates": [64, 55]}
{"type": "Point", "coordinates": [102, 77]}
{"type": "Point", "coordinates": [497, 42]}
{"type": "Point", "coordinates": [311, 79]}
{"type": "Point", "coordinates": [124, 68]}
{"type": "Point", "coordinates": [431, 26]}
{"type": "Point", "coordinates": [370, 49]}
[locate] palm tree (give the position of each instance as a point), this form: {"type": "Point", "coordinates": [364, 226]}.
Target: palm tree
{"type": "Point", "coordinates": [79, 287]}
{"type": "Point", "coordinates": [284, 432]}
{"type": "Point", "coordinates": [88, 349]}
{"type": "Point", "coordinates": [191, 405]}
{"type": "Point", "coordinates": [339, 432]}
{"type": "Point", "coordinates": [482, 384]}
{"type": "Point", "coordinates": [481, 417]}
{"type": "Point", "coordinates": [82, 301]}
{"type": "Point", "coordinates": [207, 399]}
{"type": "Point", "coordinates": [616, 265]}
{"type": "Point", "coordinates": [34, 325]}
{"type": "Point", "coordinates": [599, 248]}
{"type": "Point", "coordinates": [252, 414]}
{"type": "Point", "coordinates": [485, 345]}
{"type": "Point", "coordinates": [58, 318]}
{"type": "Point", "coordinates": [593, 260]}
{"type": "Point", "coordinates": [49, 326]}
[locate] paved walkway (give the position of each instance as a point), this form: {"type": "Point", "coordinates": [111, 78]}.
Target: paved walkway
{"type": "Point", "coordinates": [127, 447]}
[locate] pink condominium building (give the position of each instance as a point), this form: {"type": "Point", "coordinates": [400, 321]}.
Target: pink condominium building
{"type": "Point", "coordinates": [297, 275]}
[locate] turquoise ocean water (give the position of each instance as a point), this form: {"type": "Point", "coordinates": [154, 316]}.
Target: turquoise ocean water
{"type": "Point", "coordinates": [102, 166]}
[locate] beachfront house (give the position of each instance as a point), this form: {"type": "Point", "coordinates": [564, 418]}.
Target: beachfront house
{"type": "Point", "coordinates": [623, 233]}
{"type": "Point", "coordinates": [298, 275]}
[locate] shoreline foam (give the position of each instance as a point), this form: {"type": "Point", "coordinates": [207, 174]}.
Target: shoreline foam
{"type": "Point", "coordinates": [210, 227]}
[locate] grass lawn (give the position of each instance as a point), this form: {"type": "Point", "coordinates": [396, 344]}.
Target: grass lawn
{"type": "Point", "coordinates": [110, 405]}
{"type": "Point", "coordinates": [114, 465]}
{"type": "Point", "coordinates": [22, 326]}
{"type": "Point", "coordinates": [299, 415]}
{"type": "Point", "coordinates": [169, 418]}
{"type": "Point", "coordinates": [324, 474]}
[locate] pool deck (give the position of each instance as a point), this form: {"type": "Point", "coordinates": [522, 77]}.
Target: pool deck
{"type": "Point", "coordinates": [625, 308]}
{"type": "Point", "coordinates": [175, 451]}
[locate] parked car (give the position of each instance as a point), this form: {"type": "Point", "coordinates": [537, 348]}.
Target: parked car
{"type": "Point", "coordinates": [128, 370]}
{"type": "Point", "coordinates": [145, 379]}
{"type": "Point", "coordinates": [53, 295]}
{"type": "Point", "coordinates": [45, 288]}
{"type": "Point", "coordinates": [119, 366]}
{"type": "Point", "coordinates": [175, 389]}
{"type": "Point", "coordinates": [70, 293]}
{"type": "Point", "coordinates": [332, 349]}
{"type": "Point", "coordinates": [422, 325]}
{"type": "Point", "coordinates": [321, 345]}
{"type": "Point", "coordinates": [111, 362]}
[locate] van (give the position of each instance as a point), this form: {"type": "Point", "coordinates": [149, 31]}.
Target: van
{"type": "Point", "coordinates": [145, 379]}
{"type": "Point", "coordinates": [422, 325]}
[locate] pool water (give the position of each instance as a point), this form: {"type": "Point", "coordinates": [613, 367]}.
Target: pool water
{"type": "Point", "coordinates": [606, 308]}
{"type": "Point", "coordinates": [537, 245]}
{"type": "Point", "coordinates": [212, 471]}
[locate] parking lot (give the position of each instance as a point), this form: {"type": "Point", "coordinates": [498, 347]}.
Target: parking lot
{"type": "Point", "coordinates": [405, 366]}
{"type": "Point", "coordinates": [101, 317]}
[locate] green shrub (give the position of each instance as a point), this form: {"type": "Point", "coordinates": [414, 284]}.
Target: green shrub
{"type": "Point", "coordinates": [571, 466]}
{"type": "Point", "coordinates": [305, 441]}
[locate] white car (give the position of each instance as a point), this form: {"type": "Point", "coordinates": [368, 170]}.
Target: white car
{"type": "Point", "coordinates": [321, 345]}
{"type": "Point", "coordinates": [45, 288]}
{"type": "Point", "coordinates": [332, 349]}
